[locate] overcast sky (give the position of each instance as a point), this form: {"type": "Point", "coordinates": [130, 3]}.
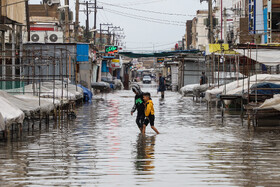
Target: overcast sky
{"type": "Point", "coordinates": [143, 33]}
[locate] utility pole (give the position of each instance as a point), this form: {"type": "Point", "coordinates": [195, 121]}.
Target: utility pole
{"type": "Point", "coordinates": [110, 34]}
{"type": "Point", "coordinates": [87, 23]}
{"type": "Point", "coordinates": [210, 17]}
{"type": "Point", "coordinates": [221, 19]}
{"type": "Point", "coordinates": [67, 29]}
{"type": "Point", "coordinates": [225, 25]}
{"type": "Point", "coordinates": [77, 20]}
{"type": "Point", "coordinates": [94, 27]}
{"type": "Point", "coordinates": [101, 37]}
{"type": "Point", "coordinates": [88, 11]}
{"type": "Point", "coordinates": [27, 20]}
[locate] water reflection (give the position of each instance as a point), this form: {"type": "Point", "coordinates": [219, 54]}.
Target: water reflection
{"type": "Point", "coordinates": [102, 147]}
{"type": "Point", "coordinates": [145, 150]}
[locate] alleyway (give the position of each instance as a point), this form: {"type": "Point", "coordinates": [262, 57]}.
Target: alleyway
{"type": "Point", "coordinates": [102, 147]}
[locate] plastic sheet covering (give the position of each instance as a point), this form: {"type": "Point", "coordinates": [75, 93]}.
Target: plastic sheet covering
{"type": "Point", "coordinates": [118, 84]}
{"type": "Point", "coordinates": [31, 104]}
{"type": "Point", "coordinates": [269, 57]}
{"type": "Point", "coordinates": [100, 85]}
{"type": "Point", "coordinates": [10, 113]}
{"type": "Point", "coordinates": [212, 94]}
{"type": "Point", "coordinates": [2, 123]}
{"type": "Point", "coordinates": [188, 89]}
{"type": "Point", "coordinates": [59, 94]}
{"type": "Point", "coordinates": [273, 103]}
{"type": "Point", "coordinates": [236, 87]}
{"type": "Point", "coordinates": [266, 88]}
{"type": "Point", "coordinates": [60, 89]}
{"type": "Point", "coordinates": [198, 90]}
{"type": "Point", "coordinates": [87, 93]}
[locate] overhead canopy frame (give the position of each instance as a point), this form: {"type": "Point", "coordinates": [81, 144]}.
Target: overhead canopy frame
{"type": "Point", "coordinates": [269, 57]}
{"type": "Point", "coordinates": [161, 54]}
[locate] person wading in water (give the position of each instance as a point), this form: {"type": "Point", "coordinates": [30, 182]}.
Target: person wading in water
{"type": "Point", "coordinates": [203, 79]}
{"type": "Point", "coordinates": [139, 105]}
{"type": "Point", "coordinates": [161, 84]}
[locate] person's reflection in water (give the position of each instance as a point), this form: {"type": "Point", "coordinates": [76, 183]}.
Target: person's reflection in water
{"type": "Point", "coordinates": [144, 163]}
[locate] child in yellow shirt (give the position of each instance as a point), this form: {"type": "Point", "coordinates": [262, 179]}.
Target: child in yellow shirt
{"type": "Point", "coordinates": [149, 113]}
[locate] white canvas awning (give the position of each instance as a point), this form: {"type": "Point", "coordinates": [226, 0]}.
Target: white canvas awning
{"type": "Point", "coordinates": [269, 57]}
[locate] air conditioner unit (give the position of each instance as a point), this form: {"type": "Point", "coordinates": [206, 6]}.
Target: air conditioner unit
{"type": "Point", "coordinates": [51, 2]}
{"type": "Point", "coordinates": [36, 37]}
{"type": "Point", "coordinates": [55, 37]}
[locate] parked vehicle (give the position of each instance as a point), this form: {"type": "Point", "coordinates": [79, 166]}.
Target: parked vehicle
{"type": "Point", "coordinates": [147, 80]}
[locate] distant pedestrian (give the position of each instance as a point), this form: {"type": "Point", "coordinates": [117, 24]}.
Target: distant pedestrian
{"type": "Point", "coordinates": [203, 79]}
{"type": "Point", "coordinates": [161, 85]}
{"type": "Point", "coordinates": [149, 113]}
{"type": "Point", "coordinates": [139, 106]}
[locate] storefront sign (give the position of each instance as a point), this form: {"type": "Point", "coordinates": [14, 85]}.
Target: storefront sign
{"type": "Point", "coordinates": [111, 49]}
{"type": "Point", "coordinates": [115, 63]}
{"type": "Point", "coordinates": [160, 60]}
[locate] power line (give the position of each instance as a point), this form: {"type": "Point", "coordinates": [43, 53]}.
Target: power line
{"type": "Point", "coordinates": [149, 11]}
{"type": "Point", "coordinates": [139, 18]}
{"type": "Point", "coordinates": [162, 45]}
{"type": "Point", "coordinates": [146, 18]}
{"type": "Point", "coordinates": [144, 3]}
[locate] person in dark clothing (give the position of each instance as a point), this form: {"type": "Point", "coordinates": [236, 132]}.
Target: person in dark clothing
{"type": "Point", "coordinates": [161, 87]}
{"type": "Point", "coordinates": [139, 105]}
{"type": "Point", "coordinates": [203, 79]}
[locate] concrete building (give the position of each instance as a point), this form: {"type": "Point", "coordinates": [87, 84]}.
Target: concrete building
{"type": "Point", "coordinates": [193, 33]}
{"type": "Point", "coordinates": [253, 21]}
{"type": "Point", "coordinates": [188, 35]}
{"type": "Point", "coordinates": [199, 31]}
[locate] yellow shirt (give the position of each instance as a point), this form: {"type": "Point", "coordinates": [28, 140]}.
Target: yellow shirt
{"type": "Point", "coordinates": [149, 110]}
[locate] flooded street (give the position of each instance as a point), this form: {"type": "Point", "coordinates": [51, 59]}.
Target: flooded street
{"type": "Point", "coordinates": [103, 147]}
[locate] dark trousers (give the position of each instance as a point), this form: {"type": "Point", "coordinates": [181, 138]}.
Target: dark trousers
{"type": "Point", "coordinates": [140, 120]}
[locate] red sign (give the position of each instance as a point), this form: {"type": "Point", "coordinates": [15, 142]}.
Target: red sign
{"type": "Point", "coordinates": [41, 28]}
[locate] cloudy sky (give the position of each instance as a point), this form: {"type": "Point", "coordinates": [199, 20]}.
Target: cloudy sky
{"type": "Point", "coordinates": [159, 25]}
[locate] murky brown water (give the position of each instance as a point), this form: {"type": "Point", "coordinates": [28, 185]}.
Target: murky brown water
{"type": "Point", "coordinates": [102, 147]}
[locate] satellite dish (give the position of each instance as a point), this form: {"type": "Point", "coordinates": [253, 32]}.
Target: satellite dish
{"type": "Point", "coordinates": [53, 38]}
{"type": "Point", "coordinates": [35, 38]}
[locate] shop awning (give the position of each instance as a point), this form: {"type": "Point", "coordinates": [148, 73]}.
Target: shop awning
{"type": "Point", "coordinates": [269, 57]}
{"type": "Point", "coordinates": [218, 49]}
{"type": "Point", "coordinates": [161, 54]}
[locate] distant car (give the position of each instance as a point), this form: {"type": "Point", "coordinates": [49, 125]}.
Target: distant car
{"type": "Point", "coordinates": [147, 80]}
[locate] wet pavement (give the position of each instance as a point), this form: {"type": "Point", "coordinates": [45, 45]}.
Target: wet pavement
{"type": "Point", "coordinates": [103, 147]}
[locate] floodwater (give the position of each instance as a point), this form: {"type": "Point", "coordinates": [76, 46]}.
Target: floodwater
{"type": "Point", "coordinates": [103, 147]}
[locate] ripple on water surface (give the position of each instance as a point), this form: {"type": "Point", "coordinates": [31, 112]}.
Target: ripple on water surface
{"type": "Point", "coordinates": [103, 147]}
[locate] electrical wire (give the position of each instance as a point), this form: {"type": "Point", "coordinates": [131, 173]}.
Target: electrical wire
{"type": "Point", "coordinates": [164, 20]}
{"type": "Point", "coordinates": [144, 3]}
{"type": "Point", "coordinates": [162, 45]}
{"type": "Point", "coordinates": [145, 18]}
{"type": "Point", "coordinates": [149, 11]}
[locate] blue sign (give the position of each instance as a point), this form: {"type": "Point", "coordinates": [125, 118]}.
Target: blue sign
{"type": "Point", "coordinates": [82, 52]}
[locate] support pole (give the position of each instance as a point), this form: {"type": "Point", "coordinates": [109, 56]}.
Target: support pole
{"type": "Point", "coordinates": [27, 20]}
{"type": "Point", "coordinates": [3, 61]}
{"type": "Point", "coordinates": [13, 56]}
{"type": "Point", "coordinates": [77, 20]}
{"type": "Point", "coordinates": [67, 29]}
{"type": "Point", "coordinates": [210, 17]}
{"type": "Point", "coordinates": [87, 23]}
{"type": "Point", "coordinates": [95, 22]}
